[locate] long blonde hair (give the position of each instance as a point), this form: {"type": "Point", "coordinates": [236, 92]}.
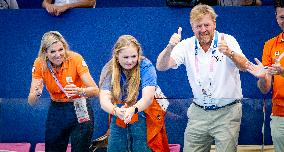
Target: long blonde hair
{"type": "Point", "coordinates": [132, 75]}
{"type": "Point", "coordinates": [47, 40]}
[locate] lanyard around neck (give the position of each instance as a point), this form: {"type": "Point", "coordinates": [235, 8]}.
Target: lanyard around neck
{"type": "Point", "coordinates": [212, 53]}
{"type": "Point", "coordinates": [56, 80]}
{"type": "Point", "coordinates": [211, 66]}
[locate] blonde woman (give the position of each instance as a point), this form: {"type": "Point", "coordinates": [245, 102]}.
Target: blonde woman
{"type": "Point", "coordinates": [127, 87]}
{"type": "Point", "coordinates": [69, 83]}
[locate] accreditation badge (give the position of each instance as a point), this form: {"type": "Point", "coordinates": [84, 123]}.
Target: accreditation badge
{"type": "Point", "coordinates": [69, 80]}
{"type": "Point", "coordinates": [277, 53]}
{"type": "Point", "coordinates": [81, 110]}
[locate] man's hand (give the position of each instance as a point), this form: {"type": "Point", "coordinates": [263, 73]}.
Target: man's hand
{"type": "Point", "coordinates": [223, 46]}
{"type": "Point", "coordinates": [176, 37]}
{"type": "Point", "coordinates": [258, 70]}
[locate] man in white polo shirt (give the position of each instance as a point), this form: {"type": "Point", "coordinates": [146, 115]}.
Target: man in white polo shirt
{"type": "Point", "coordinates": [212, 62]}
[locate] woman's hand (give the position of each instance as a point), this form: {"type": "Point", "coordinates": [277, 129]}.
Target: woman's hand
{"type": "Point", "coordinates": [72, 90]}
{"type": "Point", "coordinates": [276, 69]}
{"type": "Point", "coordinates": [120, 112]}
{"type": "Point", "coordinates": [128, 114]}
{"type": "Point", "coordinates": [38, 88]}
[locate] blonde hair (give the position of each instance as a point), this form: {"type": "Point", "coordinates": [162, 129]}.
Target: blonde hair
{"type": "Point", "coordinates": [132, 75]}
{"type": "Point", "coordinates": [47, 40]}
{"type": "Point", "coordinates": [199, 11]}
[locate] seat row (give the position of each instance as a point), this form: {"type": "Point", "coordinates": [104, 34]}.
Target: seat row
{"type": "Point", "coordinates": [25, 147]}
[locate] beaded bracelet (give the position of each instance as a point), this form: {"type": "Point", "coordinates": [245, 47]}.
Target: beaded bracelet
{"type": "Point", "coordinates": [113, 112]}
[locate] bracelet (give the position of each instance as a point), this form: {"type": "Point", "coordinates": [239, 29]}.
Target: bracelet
{"type": "Point", "coordinates": [232, 54]}
{"type": "Point", "coordinates": [83, 92]}
{"type": "Point", "coordinates": [37, 93]}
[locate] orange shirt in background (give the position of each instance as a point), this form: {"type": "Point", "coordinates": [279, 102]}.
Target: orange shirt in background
{"type": "Point", "coordinates": [72, 68]}
{"type": "Point", "coordinates": [271, 51]}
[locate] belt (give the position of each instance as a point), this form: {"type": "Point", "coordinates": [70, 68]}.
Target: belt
{"type": "Point", "coordinates": [215, 107]}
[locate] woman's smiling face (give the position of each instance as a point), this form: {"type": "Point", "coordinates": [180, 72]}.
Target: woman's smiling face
{"type": "Point", "coordinates": [55, 53]}
{"type": "Point", "coordinates": [128, 57]}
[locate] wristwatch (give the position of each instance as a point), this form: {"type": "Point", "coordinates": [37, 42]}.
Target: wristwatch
{"type": "Point", "coordinates": [135, 109]}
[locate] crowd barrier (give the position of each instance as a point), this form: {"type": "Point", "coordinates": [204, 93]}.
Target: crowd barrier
{"type": "Point", "coordinates": [21, 122]}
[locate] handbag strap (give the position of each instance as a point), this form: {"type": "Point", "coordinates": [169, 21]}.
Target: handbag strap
{"type": "Point", "coordinates": [56, 80]}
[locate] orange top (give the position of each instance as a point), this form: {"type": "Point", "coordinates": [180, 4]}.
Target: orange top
{"type": "Point", "coordinates": [272, 50]}
{"type": "Point", "coordinates": [72, 68]}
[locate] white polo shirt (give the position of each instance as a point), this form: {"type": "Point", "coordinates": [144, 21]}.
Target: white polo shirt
{"type": "Point", "coordinates": [213, 77]}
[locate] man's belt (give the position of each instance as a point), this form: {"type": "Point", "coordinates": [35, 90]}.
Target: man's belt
{"type": "Point", "coordinates": [215, 107]}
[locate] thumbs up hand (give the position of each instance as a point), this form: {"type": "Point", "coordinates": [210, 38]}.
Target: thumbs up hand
{"type": "Point", "coordinates": [223, 46]}
{"type": "Point", "coordinates": [176, 37]}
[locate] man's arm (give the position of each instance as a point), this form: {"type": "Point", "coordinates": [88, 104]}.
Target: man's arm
{"type": "Point", "coordinates": [239, 60]}
{"type": "Point", "coordinates": [164, 60]}
{"type": "Point", "coordinates": [82, 4]}
{"type": "Point", "coordinates": [264, 84]}
{"type": "Point", "coordinates": [45, 3]}
{"type": "Point", "coordinates": [50, 8]}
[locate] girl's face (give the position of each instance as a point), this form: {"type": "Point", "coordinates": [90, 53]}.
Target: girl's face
{"type": "Point", "coordinates": [128, 57]}
{"type": "Point", "coordinates": [55, 53]}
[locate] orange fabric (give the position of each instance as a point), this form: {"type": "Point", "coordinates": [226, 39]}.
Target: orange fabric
{"type": "Point", "coordinates": [74, 66]}
{"type": "Point", "coordinates": [121, 123]}
{"type": "Point", "coordinates": [270, 50]}
{"type": "Point", "coordinates": [157, 138]}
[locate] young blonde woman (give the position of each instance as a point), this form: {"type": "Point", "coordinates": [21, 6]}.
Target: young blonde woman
{"type": "Point", "coordinates": [127, 87]}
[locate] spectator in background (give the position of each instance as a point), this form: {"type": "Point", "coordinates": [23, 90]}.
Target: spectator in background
{"type": "Point", "coordinates": [191, 3]}
{"type": "Point", "coordinates": [212, 61]}
{"type": "Point", "coordinates": [239, 2]}
{"type": "Point", "coordinates": [69, 83]}
{"type": "Point", "coordinates": [8, 4]}
{"type": "Point", "coordinates": [60, 6]}
{"type": "Point", "coordinates": [271, 75]}
{"type": "Point", "coordinates": [230, 2]}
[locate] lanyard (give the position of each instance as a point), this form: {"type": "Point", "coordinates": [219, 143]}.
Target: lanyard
{"type": "Point", "coordinates": [56, 80]}
{"type": "Point", "coordinates": [280, 57]}
{"type": "Point", "coordinates": [206, 92]}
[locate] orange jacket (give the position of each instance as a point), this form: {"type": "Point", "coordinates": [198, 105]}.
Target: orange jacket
{"type": "Point", "coordinates": [157, 138]}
